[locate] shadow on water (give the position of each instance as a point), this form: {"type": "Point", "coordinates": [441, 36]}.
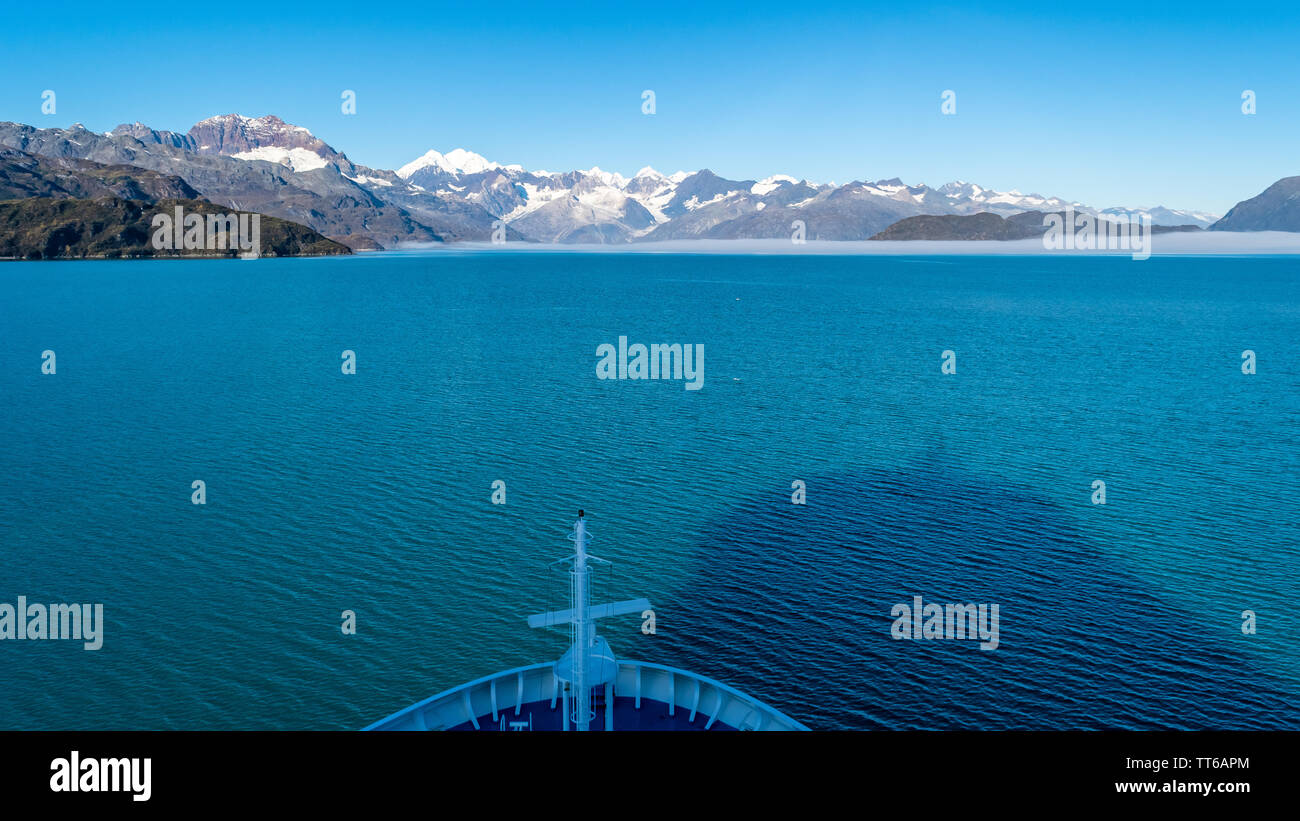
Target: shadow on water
{"type": "Point", "coordinates": [793, 605]}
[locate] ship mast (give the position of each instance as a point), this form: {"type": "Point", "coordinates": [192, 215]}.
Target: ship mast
{"type": "Point", "coordinates": [589, 661]}
{"type": "Point", "coordinates": [582, 633]}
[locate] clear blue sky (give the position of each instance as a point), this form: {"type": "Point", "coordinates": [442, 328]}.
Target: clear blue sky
{"type": "Point", "coordinates": [1120, 104]}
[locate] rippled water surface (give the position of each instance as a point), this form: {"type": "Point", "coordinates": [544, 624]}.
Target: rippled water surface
{"type": "Point", "coordinates": [371, 492]}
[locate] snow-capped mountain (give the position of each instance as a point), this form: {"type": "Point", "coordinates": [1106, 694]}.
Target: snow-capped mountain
{"type": "Point", "coordinates": [1166, 216]}
{"type": "Point", "coordinates": [263, 138]}
{"type": "Point", "coordinates": [454, 163]}
{"type": "Point", "coordinates": [266, 164]}
{"type": "Point", "coordinates": [990, 200]}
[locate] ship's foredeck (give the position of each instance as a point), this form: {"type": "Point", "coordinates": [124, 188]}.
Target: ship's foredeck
{"type": "Point", "coordinates": [643, 696]}
{"type": "Point", "coordinates": [650, 716]}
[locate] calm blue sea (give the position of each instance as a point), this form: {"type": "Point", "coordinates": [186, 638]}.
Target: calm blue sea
{"type": "Point", "coordinates": [372, 492]}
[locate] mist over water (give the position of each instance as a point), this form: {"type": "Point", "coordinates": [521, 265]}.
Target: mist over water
{"type": "Point", "coordinates": [371, 492]}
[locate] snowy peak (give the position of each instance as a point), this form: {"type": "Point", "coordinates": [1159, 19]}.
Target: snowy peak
{"type": "Point", "coordinates": [966, 193]}
{"type": "Point", "coordinates": [1161, 215]}
{"type": "Point", "coordinates": [457, 162]}
{"type": "Point", "coordinates": [769, 184]}
{"type": "Point", "coordinates": [608, 178]}
{"type": "Point", "coordinates": [263, 138]}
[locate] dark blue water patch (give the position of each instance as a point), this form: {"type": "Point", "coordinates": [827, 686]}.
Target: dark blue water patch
{"type": "Point", "coordinates": [793, 604]}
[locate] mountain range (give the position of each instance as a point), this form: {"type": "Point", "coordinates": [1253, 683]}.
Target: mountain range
{"type": "Point", "coordinates": [70, 208]}
{"type": "Point", "coordinates": [269, 166]}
